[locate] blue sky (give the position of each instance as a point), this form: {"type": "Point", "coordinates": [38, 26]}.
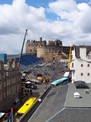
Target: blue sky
{"type": "Point", "coordinates": [37, 3]}
{"type": "Point", "coordinates": [67, 20]}
{"type": "Point", "coordinates": [30, 2]}
{"type": "Point", "coordinates": [5, 1]}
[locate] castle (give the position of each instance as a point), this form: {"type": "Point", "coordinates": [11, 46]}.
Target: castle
{"type": "Point", "coordinates": [53, 50]}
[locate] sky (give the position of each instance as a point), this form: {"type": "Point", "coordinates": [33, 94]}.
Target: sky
{"type": "Point", "coordinates": [67, 20]}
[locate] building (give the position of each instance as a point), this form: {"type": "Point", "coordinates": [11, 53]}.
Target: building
{"type": "Point", "coordinates": [53, 50]}
{"type": "Point", "coordinates": [80, 65]}
{"type": "Point", "coordinates": [10, 84]}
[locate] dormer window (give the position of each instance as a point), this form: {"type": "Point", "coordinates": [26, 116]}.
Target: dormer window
{"type": "Point", "coordinates": [89, 55]}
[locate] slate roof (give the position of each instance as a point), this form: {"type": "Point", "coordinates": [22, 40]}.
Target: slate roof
{"type": "Point", "coordinates": [53, 109]}
{"type": "Point", "coordinates": [77, 50]}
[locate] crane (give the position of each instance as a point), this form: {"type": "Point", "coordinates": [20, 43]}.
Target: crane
{"type": "Point", "coordinates": [22, 47]}
{"type": "Point", "coordinates": [69, 57]}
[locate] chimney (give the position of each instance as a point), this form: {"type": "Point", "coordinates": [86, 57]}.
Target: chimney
{"type": "Point", "coordinates": [83, 53]}
{"type": "Point", "coordinates": [1, 65]}
{"type": "Point", "coordinates": [14, 64]}
{"type": "Point", "coordinates": [9, 64]}
{"type": "Point", "coordinates": [41, 39]}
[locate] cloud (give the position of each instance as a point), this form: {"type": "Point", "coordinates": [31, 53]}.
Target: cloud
{"type": "Point", "coordinates": [84, 17]}
{"type": "Point", "coordinates": [75, 18]}
{"type": "Point", "coordinates": [71, 25]}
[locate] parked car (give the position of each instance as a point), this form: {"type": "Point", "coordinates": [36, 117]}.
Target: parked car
{"type": "Point", "coordinates": [29, 84]}
{"type": "Point", "coordinates": [35, 81]}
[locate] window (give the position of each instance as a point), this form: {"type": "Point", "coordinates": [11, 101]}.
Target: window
{"type": "Point", "coordinates": [72, 64]}
{"type": "Point", "coordinates": [13, 90]}
{"type": "Point", "coordinates": [88, 74]}
{"type": "Point", "coordinates": [81, 74]}
{"type": "Point", "coordinates": [71, 56]}
{"type": "Point", "coordinates": [8, 91]}
{"type": "Point", "coordinates": [0, 76]}
{"type": "Point", "coordinates": [1, 97]}
{"type": "Point", "coordinates": [30, 50]}
{"type": "Point", "coordinates": [73, 72]}
{"type": "Point", "coordinates": [88, 65]}
{"type": "Point", "coordinates": [81, 65]}
{"type": "Point", "coordinates": [4, 84]}
{"type": "Point", "coordinates": [4, 95]}
{"type": "Point", "coordinates": [0, 86]}
{"type": "Point", "coordinates": [7, 73]}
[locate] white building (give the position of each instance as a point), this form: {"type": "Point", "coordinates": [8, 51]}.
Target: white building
{"type": "Point", "coordinates": [80, 65]}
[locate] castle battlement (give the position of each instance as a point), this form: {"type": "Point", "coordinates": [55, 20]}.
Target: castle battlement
{"type": "Point", "coordinates": [42, 48]}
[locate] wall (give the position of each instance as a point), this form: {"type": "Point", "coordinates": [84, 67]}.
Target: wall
{"type": "Point", "coordinates": [80, 67]}
{"type": "Point", "coordinates": [48, 52]}
{"type": "Point", "coordinates": [10, 84]}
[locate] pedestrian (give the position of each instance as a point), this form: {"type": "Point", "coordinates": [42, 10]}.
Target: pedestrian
{"type": "Point", "coordinates": [46, 82]}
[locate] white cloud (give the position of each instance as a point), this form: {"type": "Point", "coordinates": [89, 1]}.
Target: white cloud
{"type": "Point", "coordinates": [84, 19]}
{"type": "Point", "coordinates": [72, 26]}
{"type": "Point", "coordinates": [75, 18]}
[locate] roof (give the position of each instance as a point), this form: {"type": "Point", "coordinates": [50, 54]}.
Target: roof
{"type": "Point", "coordinates": [59, 81]}
{"type": "Point", "coordinates": [77, 50]}
{"type": "Point", "coordinates": [84, 101]}
{"type": "Point", "coordinates": [53, 102]}
{"type": "Point", "coordinates": [54, 109]}
{"type": "Point", "coordinates": [27, 105]}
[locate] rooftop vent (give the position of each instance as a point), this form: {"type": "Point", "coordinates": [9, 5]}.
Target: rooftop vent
{"type": "Point", "coordinates": [77, 95]}
{"type": "Point", "coordinates": [86, 91]}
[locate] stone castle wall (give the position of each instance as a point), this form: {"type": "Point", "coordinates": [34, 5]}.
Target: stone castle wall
{"type": "Point", "coordinates": [47, 51]}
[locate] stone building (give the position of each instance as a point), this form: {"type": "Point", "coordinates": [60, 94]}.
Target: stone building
{"type": "Point", "coordinates": [10, 84]}
{"type": "Point", "coordinates": [53, 50]}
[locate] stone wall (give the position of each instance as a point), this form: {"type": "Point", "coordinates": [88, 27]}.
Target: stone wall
{"type": "Point", "coordinates": [47, 51]}
{"type": "Point", "coordinates": [10, 84]}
